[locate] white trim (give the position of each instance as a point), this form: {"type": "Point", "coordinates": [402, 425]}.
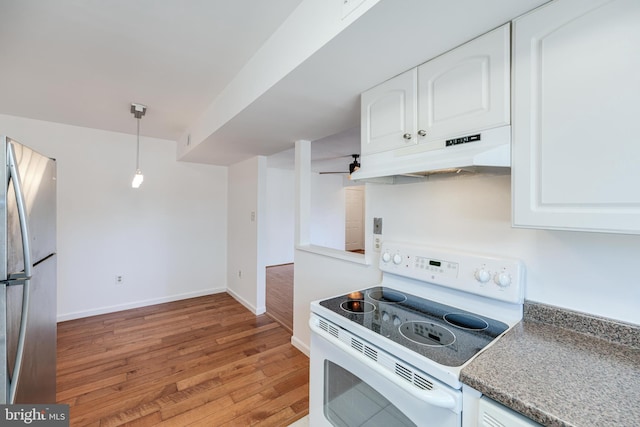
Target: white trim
{"type": "Point", "coordinates": [252, 308]}
{"type": "Point", "coordinates": [297, 343]}
{"type": "Point", "coordinates": [335, 253]}
{"type": "Point", "coordinates": [302, 192]}
{"type": "Point", "coordinates": [137, 304]}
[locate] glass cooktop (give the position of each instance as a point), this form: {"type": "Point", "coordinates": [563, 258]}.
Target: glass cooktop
{"type": "Point", "coordinates": [444, 334]}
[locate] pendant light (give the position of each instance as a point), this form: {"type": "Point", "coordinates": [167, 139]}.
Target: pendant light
{"type": "Point", "coordinates": [138, 110]}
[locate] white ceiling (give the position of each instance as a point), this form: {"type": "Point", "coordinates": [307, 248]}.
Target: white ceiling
{"type": "Point", "coordinates": [82, 62]}
{"type": "Point", "coordinates": [321, 97]}
{"type": "Point", "coordinates": [330, 154]}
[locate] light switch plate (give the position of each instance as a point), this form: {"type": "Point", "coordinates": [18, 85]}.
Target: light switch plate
{"type": "Point", "coordinates": [377, 225]}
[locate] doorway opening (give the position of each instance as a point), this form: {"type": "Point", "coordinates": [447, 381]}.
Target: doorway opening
{"type": "Point", "coordinates": [354, 219]}
{"type": "Point", "coordinates": [279, 295]}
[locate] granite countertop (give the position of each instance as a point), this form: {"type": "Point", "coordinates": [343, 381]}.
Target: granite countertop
{"type": "Point", "coordinates": [563, 368]}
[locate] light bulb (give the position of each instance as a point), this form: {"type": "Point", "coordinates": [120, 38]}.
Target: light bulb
{"type": "Point", "coordinates": [137, 179]}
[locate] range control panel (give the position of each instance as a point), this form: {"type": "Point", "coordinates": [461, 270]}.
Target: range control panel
{"type": "Point", "coordinates": [492, 276]}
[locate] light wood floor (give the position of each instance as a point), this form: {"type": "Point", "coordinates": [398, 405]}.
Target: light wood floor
{"type": "Point", "coordinates": [204, 361]}
{"type": "Point", "coordinates": [279, 294]}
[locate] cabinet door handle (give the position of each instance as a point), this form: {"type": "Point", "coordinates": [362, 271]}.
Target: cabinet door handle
{"type": "Point", "coordinates": [407, 136]}
{"type": "Point", "coordinates": [422, 132]}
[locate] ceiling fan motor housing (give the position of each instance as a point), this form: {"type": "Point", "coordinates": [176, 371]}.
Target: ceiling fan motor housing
{"type": "Point", "coordinates": [355, 165]}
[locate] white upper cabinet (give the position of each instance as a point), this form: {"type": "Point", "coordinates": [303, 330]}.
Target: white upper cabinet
{"type": "Point", "coordinates": [466, 89]}
{"type": "Point", "coordinates": [458, 93]}
{"type": "Point", "coordinates": [389, 114]}
{"type": "Point", "coordinates": [576, 120]}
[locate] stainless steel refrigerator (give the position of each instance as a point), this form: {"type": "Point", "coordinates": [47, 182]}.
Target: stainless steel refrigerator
{"type": "Point", "coordinates": [27, 275]}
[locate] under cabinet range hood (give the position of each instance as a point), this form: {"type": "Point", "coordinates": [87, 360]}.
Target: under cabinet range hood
{"type": "Point", "coordinates": [476, 152]}
{"type": "Point", "coordinates": [451, 114]}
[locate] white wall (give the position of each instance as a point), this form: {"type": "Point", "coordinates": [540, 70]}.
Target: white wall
{"type": "Point", "coordinates": [590, 272]}
{"type": "Point", "coordinates": [318, 277]}
{"type": "Point", "coordinates": [280, 216]}
{"type": "Point", "coordinates": [327, 211]}
{"type": "Point", "coordinates": [317, 272]}
{"type": "Point", "coordinates": [167, 238]}
{"type": "Point", "coordinates": [246, 245]}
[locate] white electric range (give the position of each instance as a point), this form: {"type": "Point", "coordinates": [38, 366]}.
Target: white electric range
{"type": "Point", "coordinates": [392, 354]}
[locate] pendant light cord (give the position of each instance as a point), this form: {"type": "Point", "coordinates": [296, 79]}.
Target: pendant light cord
{"type": "Point", "coordinates": [138, 111]}
{"type": "Point", "coordinates": [138, 146]}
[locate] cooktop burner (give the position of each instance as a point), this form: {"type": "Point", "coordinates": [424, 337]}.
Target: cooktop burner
{"type": "Point", "coordinates": [466, 321]}
{"type": "Point", "coordinates": [447, 335]}
{"type": "Point", "coordinates": [386, 295]}
{"type": "Point", "coordinates": [352, 306]}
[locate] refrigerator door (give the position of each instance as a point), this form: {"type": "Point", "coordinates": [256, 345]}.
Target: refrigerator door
{"type": "Point", "coordinates": [28, 303]}
{"type": "Point", "coordinates": [37, 383]}
{"type": "Point", "coordinates": [38, 175]}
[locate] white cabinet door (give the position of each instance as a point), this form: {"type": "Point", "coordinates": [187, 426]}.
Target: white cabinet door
{"type": "Point", "coordinates": [389, 114]}
{"type": "Point", "coordinates": [466, 89]}
{"type": "Point", "coordinates": [576, 123]}
{"type": "Point", "coordinates": [458, 93]}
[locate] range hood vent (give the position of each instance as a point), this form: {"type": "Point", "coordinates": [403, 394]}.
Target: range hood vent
{"type": "Point", "coordinates": [485, 151]}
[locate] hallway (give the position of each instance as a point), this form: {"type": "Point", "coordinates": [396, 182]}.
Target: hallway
{"type": "Point", "coordinates": [279, 292]}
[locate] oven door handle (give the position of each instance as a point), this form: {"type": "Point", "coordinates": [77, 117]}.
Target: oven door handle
{"type": "Point", "coordinates": [436, 397]}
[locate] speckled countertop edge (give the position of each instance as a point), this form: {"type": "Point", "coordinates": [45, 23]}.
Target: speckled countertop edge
{"type": "Point", "coordinates": [600, 327]}
{"type": "Point", "coordinates": [563, 368]}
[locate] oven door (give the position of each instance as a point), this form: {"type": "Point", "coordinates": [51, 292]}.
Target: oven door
{"type": "Point", "coordinates": [353, 383]}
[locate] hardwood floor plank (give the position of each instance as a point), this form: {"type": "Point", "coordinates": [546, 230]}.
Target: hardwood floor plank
{"type": "Point", "coordinates": [271, 405]}
{"type": "Point", "coordinates": [268, 382]}
{"type": "Point", "coordinates": [162, 356]}
{"type": "Point", "coordinates": [208, 374]}
{"type": "Point", "coordinates": [211, 390]}
{"type": "Point", "coordinates": [147, 421]}
{"type": "Point", "coordinates": [146, 383]}
{"type": "Point", "coordinates": [279, 294]}
{"type": "Point", "coordinates": [90, 386]}
{"type": "Point", "coordinates": [80, 376]}
{"type": "Point", "coordinates": [211, 414]}
{"type": "Point", "coordinates": [247, 333]}
{"type": "Point", "coordinates": [180, 363]}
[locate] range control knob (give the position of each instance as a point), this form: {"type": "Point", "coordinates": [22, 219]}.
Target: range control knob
{"type": "Point", "coordinates": [397, 259]}
{"type": "Point", "coordinates": [386, 257]}
{"type": "Point", "coordinates": [482, 275]}
{"type": "Point", "coordinates": [502, 279]}
{"type": "Point", "coordinates": [385, 316]}
{"type": "Point", "coordinates": [396, 321]}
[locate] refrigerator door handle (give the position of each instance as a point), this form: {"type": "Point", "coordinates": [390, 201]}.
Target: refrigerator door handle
{"type": "Point", "coordinates": [22, 210]}
{"type": "Point", "coordinates": [28, 264]}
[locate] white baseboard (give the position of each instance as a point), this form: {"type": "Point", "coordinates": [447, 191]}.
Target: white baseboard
{"type": "Point", "coordinates": [252, 308]}
{"type": "Point", "coordinates": [136, 304]}
{"type": "Point", "coordinates": [300, 345]}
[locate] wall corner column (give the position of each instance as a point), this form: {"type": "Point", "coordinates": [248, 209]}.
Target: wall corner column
{"type": "Point", "coordinates": [303, 191]}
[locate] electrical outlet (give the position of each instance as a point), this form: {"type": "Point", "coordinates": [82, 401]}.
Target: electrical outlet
{"type": "Point", "coordinates": [119, 280]}
{"type": "Point", "coordinates": [377, 242]}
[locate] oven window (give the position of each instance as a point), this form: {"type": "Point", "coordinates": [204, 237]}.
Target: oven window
{"type": "Point", "coordinates": [350, 402]}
